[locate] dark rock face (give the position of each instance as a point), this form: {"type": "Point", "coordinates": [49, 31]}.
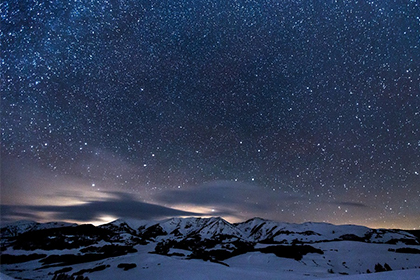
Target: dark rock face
{"type": "Point", "coordinates": [99, 253]}
{"type": "Point", "coordinates": [292, 252]}
{"type": "Point", "coordinates": [127, 266]}
{"type": "Point", "coordinates": [153, 231]}
{"type": "Point", "coordinates": [61, 238]}
{"type": "Point", "coordinates": [8, 259]}
{"type": "Point", "coordinates": [352, 237]}
{"type": "Point", "coordinates": [406, 250]}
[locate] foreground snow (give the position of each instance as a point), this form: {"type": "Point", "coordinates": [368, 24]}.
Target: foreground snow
{"type": "Point", "coordinates": [158, 267]}
{"type": "Point", "coordinates": [209, 272]}
{"type": "Point", "coordinates": [5, 277]}
{"type": "Point", "coordinates": [411, 274]}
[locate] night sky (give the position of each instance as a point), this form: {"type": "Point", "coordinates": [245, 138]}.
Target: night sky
{"type": "Point", "coordinates": [290, 110]}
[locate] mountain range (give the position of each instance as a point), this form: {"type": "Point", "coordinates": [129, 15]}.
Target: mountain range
{"type": "Point", "coordinates": [206, 248]}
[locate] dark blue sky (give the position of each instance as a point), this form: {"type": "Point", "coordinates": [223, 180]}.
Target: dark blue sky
{"type": "Point", "coordinates": [309, 108]}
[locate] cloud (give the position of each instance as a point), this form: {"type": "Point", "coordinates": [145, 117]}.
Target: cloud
{"type": "Point", "coordinates": [224, 195]}
{"type": "Point", "coordinates": [350, 204]}
{"type": "Point", "coordinates": [11, 213]}
{"type": "Point", "coordinates": [118, 205]}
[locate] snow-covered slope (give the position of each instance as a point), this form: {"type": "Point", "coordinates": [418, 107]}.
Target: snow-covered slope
{"type": "Point", "coordinates": [410, 274]}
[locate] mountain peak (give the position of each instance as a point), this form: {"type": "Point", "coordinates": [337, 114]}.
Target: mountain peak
{"type": "Point", "coordinates": [19, 223]}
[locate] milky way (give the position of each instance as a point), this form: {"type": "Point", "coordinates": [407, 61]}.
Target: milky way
{"type": "Point", "coordinates": [290, 110]}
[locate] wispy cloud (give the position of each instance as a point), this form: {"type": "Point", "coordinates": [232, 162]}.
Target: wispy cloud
{"type": "Point", "coordinates": [349, 204]}
{"type": "Point", "coordinates": [216, 194]}
{"type": "Point", "coordinates": [118, 205]}
{"type": "Point", "coordinates": [227, 196]}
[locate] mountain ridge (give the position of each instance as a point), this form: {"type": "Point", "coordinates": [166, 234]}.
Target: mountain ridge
{"type": "Point", "coordinates": [258, 229]}
{"type": "Point", "coordinates": [254, 229]}
{"type": "Point", "coordinates": [29, 248]}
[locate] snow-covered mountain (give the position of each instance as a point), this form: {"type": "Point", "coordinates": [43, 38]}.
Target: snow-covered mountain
{"type": "Point", "coordinates": [178, 228]}
{"type": "Point", "coordinates": [258, 230]}
{"type": "Point", "coordinates": [14, 229]}
{"type": "Point", "coordinates": [158, 249]}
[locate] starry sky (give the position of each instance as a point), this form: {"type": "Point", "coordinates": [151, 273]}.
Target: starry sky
{"type": "Point", "coordinates": [290, 110]}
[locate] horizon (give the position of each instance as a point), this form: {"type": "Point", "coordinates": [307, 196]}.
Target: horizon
{"type": "Point", "coordinates": [99, 223]}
